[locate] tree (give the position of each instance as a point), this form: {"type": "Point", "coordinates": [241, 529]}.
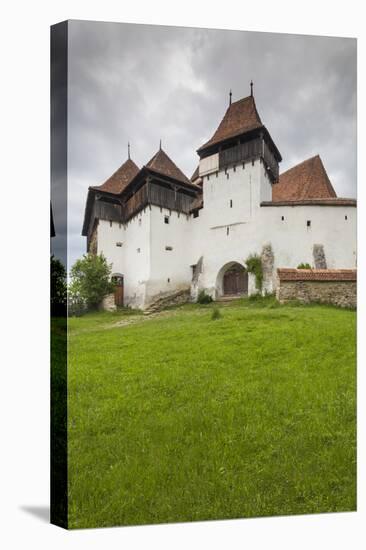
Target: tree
{"type": "Point", "coordinates": [90, 280]}
{"type": "Point", "coordinates": [58, 288]}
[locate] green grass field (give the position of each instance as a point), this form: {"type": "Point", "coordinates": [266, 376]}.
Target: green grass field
{"type": "Point", "coordinates": [181, 417]}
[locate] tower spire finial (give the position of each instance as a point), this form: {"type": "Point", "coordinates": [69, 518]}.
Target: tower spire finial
{"type": "Point", "coordinates": [230, 96]}
{"type": "Point", "coordinates": [128, 149]}
{"type": "Point", "coordinates": [160, 145]}
{"type": "Point", "coordinates": [251, 88]}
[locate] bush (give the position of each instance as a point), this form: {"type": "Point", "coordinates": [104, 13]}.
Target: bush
{"type": "Point", "coordinates": [76, 305]}
{"type": "Point", "coordinates": [216, 314]}
{"type": "Point", "coordinates": [90, 281]}
{"type": "Point", "coordinates": [304, 266]}
{"type": "Point", "coordinates": [204, 298]}
{"type": "Point", "coordinates": [253, 264]}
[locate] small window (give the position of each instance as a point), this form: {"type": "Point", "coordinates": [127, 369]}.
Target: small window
{"type": "Point", "coordinates": [119, 244]}
{"type": "Point", "coordinates": [208, 178]}
{"type": "Point", "coordinates": [196, 214]}
{"type": "Point", "coordinates": [169, 248]}
{"type": "Point", "coordinates": [234, 168]}
{"type": "Point", "coordinates": [231, 203]}
{"type": "Point", "coordinates": [138, 250]}
{"type": "Point", "coordinates": [283, 218]}
{"type": "Point", "coordinates": [110, 223]}
{"type": "Point", "coordinates": [227, 230]}
{"type": "Point", "coordinates": [227, 175]}
{"type": "Point", "coordinates": [168, 280]}
{"type": "Point", "coordinates": [119, 226]}
{"type": "Point", "coordinates": [166, 219]}
{"type": "Point", "coordinates": [308, 223]}
{"type": "Point", "coordinates": [243, 165]}
{"type": "Point", "coordinates": [217, 174]}
{"type": "Point", "coordinates": [346, 217]}
{"type": "Point", "coordinates": [253, 162]}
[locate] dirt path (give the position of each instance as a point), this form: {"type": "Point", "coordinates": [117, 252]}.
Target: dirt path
{"type": "Point", "coordinates": [133, 320]}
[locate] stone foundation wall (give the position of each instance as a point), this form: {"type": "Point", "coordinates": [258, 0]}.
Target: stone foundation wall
{"type": "Point", "coordinates": [169, 299]}
{"type": "Point", "coordinates": [339, 293]}
{"type": "Point", "coordinates": [108, 303]}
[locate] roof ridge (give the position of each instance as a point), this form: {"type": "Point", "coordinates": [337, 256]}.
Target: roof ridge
{"type": "Point", "coordinates": [120, 178]}
{"type": "Point", "coordinates": [301, 163]}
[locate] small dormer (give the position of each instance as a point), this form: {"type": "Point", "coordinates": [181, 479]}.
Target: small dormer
{"type": "Point", "coordinates": [239, 138]}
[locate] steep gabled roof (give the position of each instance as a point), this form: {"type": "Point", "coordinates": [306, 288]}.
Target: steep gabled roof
{"type": "Point", "coordinates": [307, 180]}
{"type": "Point", "coordinates": [164, 165]}
{"type": "Point", "coordinates": [195, 174]}
{"type": "Point", "coordinates": [120, 179]}
{"type": "Point", "coordinates": [241, 117]}
{"type": "Point", "coordinates": [196, 178]}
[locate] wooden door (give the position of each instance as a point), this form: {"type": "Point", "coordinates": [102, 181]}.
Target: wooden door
{"type": "Point", "coordinates": [118, 290]}
{"type": "Point", "coordinates": [235, 281]}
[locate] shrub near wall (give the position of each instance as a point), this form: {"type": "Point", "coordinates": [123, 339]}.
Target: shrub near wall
{"type": "Point", "coordinates": [328, 286]}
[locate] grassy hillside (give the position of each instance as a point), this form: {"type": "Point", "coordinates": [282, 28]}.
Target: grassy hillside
{"type": "Point", "coordinates": [181, 417]}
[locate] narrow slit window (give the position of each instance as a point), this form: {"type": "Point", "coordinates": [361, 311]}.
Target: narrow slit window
{"type": "Point", "coordinates": [227, 230]}
{"type": "Point", "coordinates": [138, 250]}
{"type": "Point", "coordinates": [283, 218]}
{"type": "Point", "coordinates": [166, 219]}
{"type": "Point", "coordinates": [231, 203]}
{"type": "Point", "coordinates": [308, 223]}
{"type": "Point", "coordinates": [169, 248]}
{"type": "Point", "coordinates": [346, 217]}
{"type": "Point", "coordinates": [110, 223]}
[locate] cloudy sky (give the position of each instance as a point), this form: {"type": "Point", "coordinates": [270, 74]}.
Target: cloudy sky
{"type": "Point", "coordinates": [143, 83]}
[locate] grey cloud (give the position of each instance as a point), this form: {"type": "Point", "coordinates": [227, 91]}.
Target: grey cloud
{"type": "Point", "coordinates": [140, 83]}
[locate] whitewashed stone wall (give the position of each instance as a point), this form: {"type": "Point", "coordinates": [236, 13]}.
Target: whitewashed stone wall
{"type": "Point", "coordinates": [231, 226]}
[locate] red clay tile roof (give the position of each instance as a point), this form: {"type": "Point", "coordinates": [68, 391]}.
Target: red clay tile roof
{"type": "Point", "coordinates": [307, 180]}
{"type": "Point", "coordinates": [162, 164]}
{"type": "Point", "coordinates": [286, 274]}
{"type": "Point", "coordinates": [120, 179]}
{"type": "Point", "coordinates": [196, 178]}
{"type": "Point", "coordinates": [195, 174]}
{"type": "Point", "coordinates": [313, 202]}
{"type": "Point", "coordinates": [240, 117]}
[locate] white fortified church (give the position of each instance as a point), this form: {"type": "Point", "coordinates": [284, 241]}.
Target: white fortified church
{"type": "Point", "coordinates": [166, 235]}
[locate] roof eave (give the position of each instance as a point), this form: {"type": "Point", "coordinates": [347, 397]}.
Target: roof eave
{"type": "Point", "coordinates": [188, 184]}
{"type": "Point", "coordinates": [248, 133]}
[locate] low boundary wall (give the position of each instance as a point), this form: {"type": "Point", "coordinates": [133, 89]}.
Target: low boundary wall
{"type": "Point", "coordinates": [328, 286]}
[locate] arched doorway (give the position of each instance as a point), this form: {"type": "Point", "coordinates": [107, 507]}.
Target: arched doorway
{"type": "Point", "coordinates": [117, 279]}
{"type": "Point", "coordinates": [232, 280]}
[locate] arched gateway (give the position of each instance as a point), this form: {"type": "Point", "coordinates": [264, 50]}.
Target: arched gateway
{"type": "Point", "coordinates": [232, 280]}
